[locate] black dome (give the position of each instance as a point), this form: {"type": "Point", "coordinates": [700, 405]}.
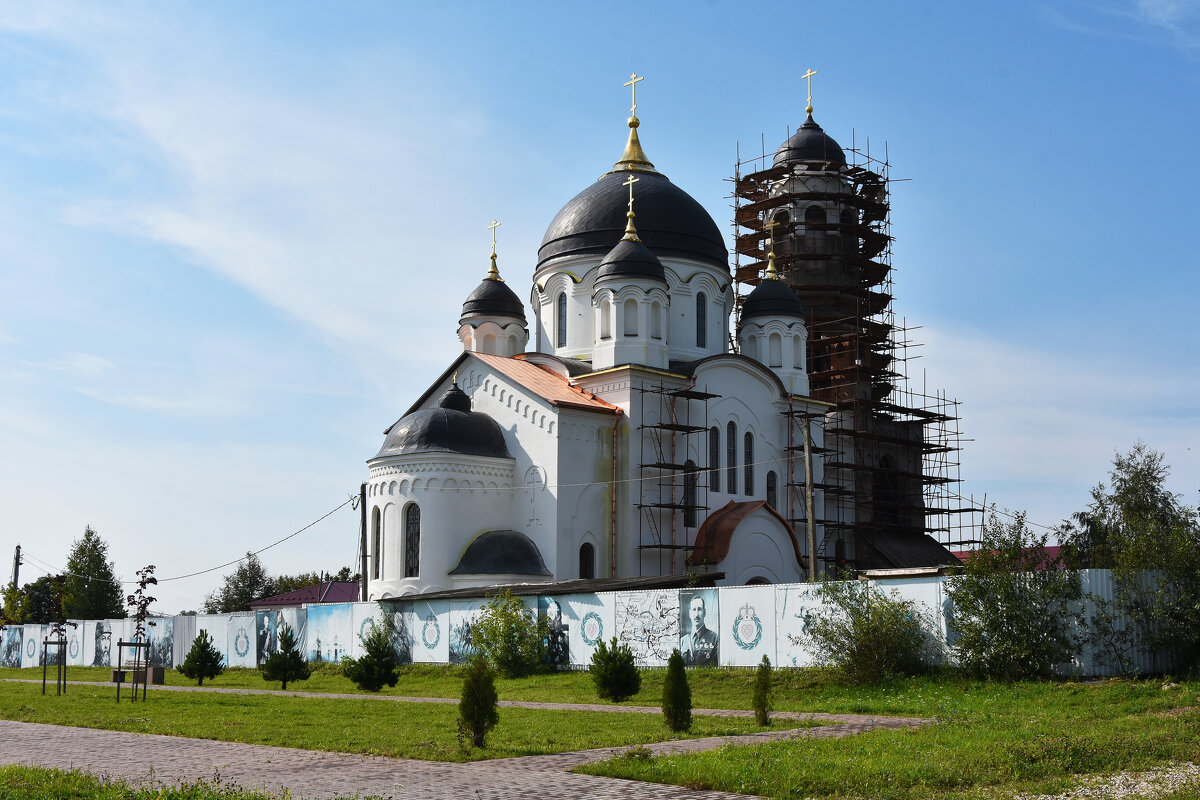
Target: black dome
{"type": "Point", "coordinates": [772, 298]}
{"type": "Point", "coordinates": [631, 259]}
{"type": "Point", "coordinates": [501, 553]}
{"type": "Point", "coordinates": [669, 221]}
{"type": "Point", "coordinates": [810, 143]}
{"type": "Point", "coordinates": [452, 427]}
{"type": "Point", "coordinates": [493, 298]}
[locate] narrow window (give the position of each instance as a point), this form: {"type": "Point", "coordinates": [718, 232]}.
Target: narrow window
{"type": "Point", "coordinates": [775, 350]}
{"type": "Point", "coordinates": [689, 494]}
{"type": "Point", "coordinates": [631, 317]}
{"type": "Point", "coordinates": [489, 345]}
{"type": "Point", "coordinates": [797, 353]}
{"type": "Point", "coordinates": [376, 542]}
{"type": "Point", "coordinates": [606, 320]}
{"type": "Point", "coordinates": [773, 490]}
{"type": "Point", "coordinates": [748, 466]}
{"type": "Point", "coordinates": [412, 541]}
{"type": "Point", "coordinates": [750, 349]}
{"type": "Point", "coordinates": [714, 459]}
{"type": "Point", "coordinates": [814, 214]}
{"type": "Point", "coordinates": [587, 561]}
{"type": "Point", "coordinates": [656, 321]}
{"type": "Point", "coordinates": [731, 457]}
{"type": "Point", "coordinates": [562, 320]}
{"type": "Point", "coordinates": [701, 320]}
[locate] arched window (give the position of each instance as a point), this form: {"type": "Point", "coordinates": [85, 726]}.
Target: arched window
{"type": "Point", "coordinates": [775, 350]}
{"type": "Point", "coordinates": [631, 317]}
{"type": "Point", "coordinates": [783, 238]}
{"type": "Point", "coordinates": [587, 560]}
{"type": "Point", "coordinates": [797, 352]}
{"type": "Point", "coordinates": [512, 346]}
{"type": "Point", "coordinates": [814, 236]}
{"type": "Point", "coordinates": [701, 320]}
{"type": "Point", "coordinates": [606, 320]}
{"type": "Point", "coordinates": [562, 319]}
{"type": "Point", "coordinates": [376, 543]}
{"type": "Point", "coordinates": [488, 345]}
{"type": "Point", "coordinates": [731, 457]}
{"type": "Point", "coordinates": [714, 459]}
{"type": "Point", "coordinates": [689, 494]}
{"type": "Point", "coordinates": [773, 490]}
{"type": "Point", "coordinates": [748, 466]}
{"type": "Point", "coordinates": [750, 348]}
{"type": "Point", "coordinates": [412, 541]}
{"type": "Point", "coordinates": [656, 320]}
{"type": "Point", "coordinates": [849, 229]}
{"type": "Point", "coordinates": [814, 214]}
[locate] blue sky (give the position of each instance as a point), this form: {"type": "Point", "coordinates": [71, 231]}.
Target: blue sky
{"type": "Point", "coordinates": [235, 238]}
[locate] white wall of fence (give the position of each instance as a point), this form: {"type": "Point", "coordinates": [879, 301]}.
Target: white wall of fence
{"type": "Point", "coordinates": [732, 626]}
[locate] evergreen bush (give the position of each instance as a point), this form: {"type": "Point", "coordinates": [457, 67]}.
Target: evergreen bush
{"type": "Point", "coordinates": [203, 660]}
{"type": "Point", "coordinates": [477, 707]}
{"type": "Point", "coordinates": [614, 671]}
{"type": "Point", "coordinates": [376, 667]}
{"type": "Point", "coordinates": [287, 664]}
{"type": "Point", "coordinates": [508, 635]}
{"type": "Point", "coordinates": [762, 692]}
{"type": "Point", "coordinates": [677, 695]}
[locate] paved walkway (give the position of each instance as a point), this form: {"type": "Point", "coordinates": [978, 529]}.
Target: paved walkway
{"type": "Point", "coordinates": [313, 774]}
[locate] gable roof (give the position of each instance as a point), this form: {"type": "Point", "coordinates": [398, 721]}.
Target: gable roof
{"type": "Point", "coordinates": [716, 534]}
{"type": "Point", "coordinates": [327, 592]}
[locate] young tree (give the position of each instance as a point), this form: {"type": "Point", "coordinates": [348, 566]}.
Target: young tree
{"type": "Point", "coordinates": [762, 692]}
{"type": "Point", "coordinates": [376, 668]}
{"type": "Point", "coordinates": [614, 671]}
{"type": "Point", "coordinates": [509, 636]}
{"type": "Point", "coordinates": [285, 665]}
{"type": "Point", "coordinates": [203, 660]}
{"type": "Point", "coordinates": [247, 583]}
{"type": "Point", "coordinates": [1012, 605]}
{"type": "Point", "coordinates": [91, 589]}
{"type": "Point", "coordinates": [477, 706]}
{"type": "Point", "coordinates": [16, 605]}
{"type": "Point", "coordinates": [677, 695]}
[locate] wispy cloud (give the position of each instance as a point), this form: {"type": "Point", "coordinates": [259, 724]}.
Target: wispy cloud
{"type": "Point", "coordinates": [1173, 22]}
{"type": "Point", "coordinates": [80, 365]}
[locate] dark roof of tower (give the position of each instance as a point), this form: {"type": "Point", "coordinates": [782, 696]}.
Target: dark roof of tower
{"type": "Point", "coordinates": [669, 221]}
{"type": "Point", "coordinates": [772, 298]}
{"type": "Point", "coordinates": [631, 259]}
{"type": "Point", "coordinates": [451, 427]}
{"type": "Point", "coordinates": [810, 143]}
{"type": "Point", "coordinates": [493, 298]}
{"type": "Point", "coordinates": [501, 553]}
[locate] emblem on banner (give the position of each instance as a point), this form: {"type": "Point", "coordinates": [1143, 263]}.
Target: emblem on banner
{"type": "Point", "coordinates": [241, 643]}
{"type": "Point", "coordinates": [431, 633]}
{"type": "Point", "coordinates": [747, 628]}
{"type": "Point", "coordinates": [31, 648]}
{"type": "Point", "coordinates": [73, 647]}
{"type": "Point", "coordinates": [591, 629]}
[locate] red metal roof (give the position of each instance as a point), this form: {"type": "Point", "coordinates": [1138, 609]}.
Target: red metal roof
{"type": "Point", "coordinates": [716, 534]}
{"type": "Point", "coordinates": [546, 384]}
{"type": "Point", "coordinates": [327, 592]}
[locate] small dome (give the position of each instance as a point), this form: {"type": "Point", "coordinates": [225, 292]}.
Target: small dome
{"type": "Point", "coordinates": [631, 259]}
{"type": "Point", "coordinates": [810, 143]}
{"type": "Point", "coordinates": [771, 298]}
{"type": "Point", "coordinates": [669, 221]}
{"type": "Point", "coordinates": [501, 553]}
{"type": "Point", "coordinates": [493, 298]}
{"type": "Point", "coordinates": [452, 427]}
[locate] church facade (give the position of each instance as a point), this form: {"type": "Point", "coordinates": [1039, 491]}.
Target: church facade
{"type": "Point", "coordinates": [618, 432]}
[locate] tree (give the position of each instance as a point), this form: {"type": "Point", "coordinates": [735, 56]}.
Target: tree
{"type": "Point", "coordinates": [762, 692]}
{"type": "Point", "coordinates": [247, 583]}
{"type": "Point", "coordinates": [509, 636]}
{"type": "Point", "coordinates": [1012, 604]}
{"type": "Point", "coordinates": [203, 660]}
{"type": "Point", "coordinates": [614, 671]}
{"type": "Point", "coordinates": [677, 695]}
{"type": "Point", "coordinates": [37, 602]}
{"type": "Point", "coordinates": [91, 589]}
{"type": "Point", "coordinates": [16, 605]}
{"type": "Point", "coordinates": [286, 664]}
{"type": "Point", "coordinates": [1151, 541]}
{"type": "Point", "coordinates": [477, 706]}
{"type": "Point", "coordinates": [376, 668]}
{"type": "Point", "coordinates": [302, 580]}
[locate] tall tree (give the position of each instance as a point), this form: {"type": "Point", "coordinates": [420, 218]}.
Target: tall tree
{"type": "Point", "coordinates": [247, 583]}
{"type": "Point", "coordinates": [91, 589]}
{"type": "Point", "coordinates": [44, 599]}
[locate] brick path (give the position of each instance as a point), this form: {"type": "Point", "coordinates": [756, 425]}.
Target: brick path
{"type": "Point", "coordinates": [313, 774]}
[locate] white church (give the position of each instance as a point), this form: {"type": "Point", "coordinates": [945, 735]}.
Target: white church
{"type": "Point", "coordinates": [620, 432]}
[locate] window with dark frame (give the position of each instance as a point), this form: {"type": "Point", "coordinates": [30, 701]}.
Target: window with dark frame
{"type": "Point", "coordinates": [748, 465]}
{"type": "Point", "coordinates": [701, 320]}
{"type": "Point", "coordinates": [587, 560]}
{"type": "Point", "coordinates": [689, 494]}
{"type": "Point", "coordinates": [562, 320]}
{"type": "Point", "coordinates": [773, 490]}
{"type": "Point", "coordinates": [714, 459]}
{"type": "Point", "coordinates": [731, 457]}
{"type": "Point", "coordinates": [412, 541]}
{"type": "Point", "coordinates": [376, 543]}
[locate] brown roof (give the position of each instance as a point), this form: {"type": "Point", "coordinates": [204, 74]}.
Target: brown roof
{"type": "Point", "coordinates": [546, 384]}
{"type": "Point", "coordinates": [716, 534]}
{"type": "Point", "coordinates": [327, 592]}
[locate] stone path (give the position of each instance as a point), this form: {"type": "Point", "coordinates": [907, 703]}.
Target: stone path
{"type": "Point", "coordinates": [312, 774]}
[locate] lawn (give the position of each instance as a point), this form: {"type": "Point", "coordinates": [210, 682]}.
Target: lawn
{"type": "Point", "coordinates": [36, 783]}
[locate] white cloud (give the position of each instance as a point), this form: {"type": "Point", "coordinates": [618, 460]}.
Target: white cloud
{"type": "Point", "coordinates": [80, 365]}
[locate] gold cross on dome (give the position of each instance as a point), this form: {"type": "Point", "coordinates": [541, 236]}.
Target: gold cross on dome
{"type": "Point", "coordinates": [809, 76]}
{"type": "Point", "coordinates": [492, 228]}
{"type": "Point", "coordinates": [630, 182]}
{"type": "Point", "coordinates": [633, 82]}
{"type": "Point", "coordinates": [771, 226]}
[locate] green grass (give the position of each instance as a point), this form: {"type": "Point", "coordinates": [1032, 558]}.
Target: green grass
{"type": "Point", "coordinates": [993, 740]}
{"type": "Point", "coordinates": [37, 783]}
{"type": "Point", "coordinates": [409, 730]}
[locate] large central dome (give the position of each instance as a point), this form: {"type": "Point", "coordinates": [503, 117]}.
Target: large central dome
{"type": "Point", "coordinates": [669, 220]}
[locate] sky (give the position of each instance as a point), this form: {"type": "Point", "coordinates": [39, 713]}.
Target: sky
{"type": "Point", "coordinates": [235, 238]}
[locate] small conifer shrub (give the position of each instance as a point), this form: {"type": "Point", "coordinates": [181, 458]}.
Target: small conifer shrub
{"type": "Point", "coordinates": [614, 671]}
{"type": "Point", "coordinates": [203, 660]}
{"type": "Point", "coordinates": [762, 692]}
{"type": "Point", "coordinates": [376, 667]}
{"type": "Point", "coordinates": [677, 695]}
{"type": "Point", "coordinates": [287, 664]}
{"type": "Point", "coordinates": [477, 707]}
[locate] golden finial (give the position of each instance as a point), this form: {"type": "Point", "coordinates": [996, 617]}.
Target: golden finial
{"type": "Point", "coordinates": [634, 158]}
{"type": "Point", "coordinates": [809, 76]}
{"type": "Point", "coordinates": [771, 275]}
{"type": "Point", "coordinates": [454, 380]}
{"type": "Point", "coordinates": [493, 273]}
{"type": "Point", "coordinates": [630, 231]}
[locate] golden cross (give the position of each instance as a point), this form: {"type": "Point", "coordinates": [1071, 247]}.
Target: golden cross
{"type": "Point", "coordinates": [771, 226]}
{"type": "Point", "coordinates": [632, 180]}
{"type": "Point", "coordinates": [809, 76]}
{"type": "Point", "coordinates": [493, 227]}
{"type": "Point", "coordinates": [633, 81]}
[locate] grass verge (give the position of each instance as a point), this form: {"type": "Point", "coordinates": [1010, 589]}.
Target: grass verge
{"type": "Point", "coordinates": [37, 783]}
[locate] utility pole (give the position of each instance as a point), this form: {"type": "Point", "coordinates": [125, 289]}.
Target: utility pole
{"type": "Point", "coordinates": [16, 573]}
{"type": "Point", "coordinates": [362, 509]}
